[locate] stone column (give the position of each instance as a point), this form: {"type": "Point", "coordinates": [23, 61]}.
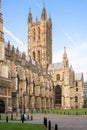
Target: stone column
{"type": "Point", "coordinates": [48, 103]}
{"type": "Point", "coordinates": [18, 110]}
{"type": "Point", "coordinates": [32, 102]}
{"type": "Point", "coordinates": [43, 100]}
{"type": "Point", "coordinates": [26, 103]}
{"type": "Point", "coordinates": [7, 100]}
{"type": "Point", "coordinates": [38, 102]}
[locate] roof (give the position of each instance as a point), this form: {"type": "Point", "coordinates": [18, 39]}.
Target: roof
{"type": "Point", "coordinates": [55, 66]}
{"type": "Point", "coordinates": [78, 76]}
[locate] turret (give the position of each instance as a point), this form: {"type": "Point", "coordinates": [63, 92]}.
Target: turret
{"type": "Point", "coordinates": [1, 25]}
{"type": "Point", "coordinates": [36, 19]}
{"type": "Point", "coordinates": [43, 15]}
{"type": "Point", "coordinates": [65, 59]}
{"type": "Point", "coordinates": [30, 17]}
{"type": "Point", "coordinates": [2, 49]}
{"type": "Point", "coordinates": [50, 21]}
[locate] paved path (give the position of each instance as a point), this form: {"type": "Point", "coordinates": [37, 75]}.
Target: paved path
{"type": "Point", "coordinates": [65, 122]}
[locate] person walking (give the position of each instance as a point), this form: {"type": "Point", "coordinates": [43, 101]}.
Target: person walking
{"type": "Point", "coordinates": [22, 118]}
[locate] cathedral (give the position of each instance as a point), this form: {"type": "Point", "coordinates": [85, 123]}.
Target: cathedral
{"type": "Point", "coordinates": [33, 82]}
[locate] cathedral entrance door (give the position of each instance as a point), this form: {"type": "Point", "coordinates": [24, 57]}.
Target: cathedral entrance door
{"type": "Point", "coordinates": [2, 106]}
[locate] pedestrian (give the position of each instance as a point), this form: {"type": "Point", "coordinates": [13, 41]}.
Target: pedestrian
{"type": "Point", "coordinates": [25, 116]}
{"type": "Point", "coordinates": [22, 118]}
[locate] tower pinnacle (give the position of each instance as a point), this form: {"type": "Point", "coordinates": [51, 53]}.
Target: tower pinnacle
{"type": "Point", "coordinates": [0, 6]}
{"type": "Point", "coordinates": [2, 49]}
{"type": "Point", "coordinates": [65, 54]}
{"type": "Point", "coordinates": [30, 16]}
{"type": "Point", "coordinates": [43, 15]}
{"type": "Point", "coordinates": [65, 59]}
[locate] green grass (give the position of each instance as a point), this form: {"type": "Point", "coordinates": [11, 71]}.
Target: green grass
{"type": "Point", "coordinates": [71, 112]}
{"type": "Point", "coordinates": [20, 126]}
{"type": "Point", "coordinates": [82, 111]}
{"type": "Point", "coordinates": [3, 117]}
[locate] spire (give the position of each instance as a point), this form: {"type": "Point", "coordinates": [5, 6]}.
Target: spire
{"type": "Point", "coordinates": [49, 20]}
{"type": "Point", "coordinates": [36, 19]}
{"type": "Point", "coordinates": [65, 59]}
{"type": "Point", "coordinates": [43, 15]}
{"type": "Point", "coordinates": [2, 48]}
{"type": "Point", "coordinates": [0, 6]}
{"type": "Point", "coordinates": [0, 12]}
{"type": "Point", "coordinates": [30, 16]}
{"type": "Point", "coordinates": [49, 16]}
{"type": "Point", "coordinates": [64, 54]}
{"type": "Point", "coordinates": [1, 25]}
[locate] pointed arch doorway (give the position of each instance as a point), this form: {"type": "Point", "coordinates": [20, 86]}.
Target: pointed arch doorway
{"type": "Point", "coordinates": [58, 96]}
{"type": "Point", "coordinates": [2, 106]}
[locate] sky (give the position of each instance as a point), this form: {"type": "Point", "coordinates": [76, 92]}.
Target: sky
{"type": "Point", "coordinates": [69, 27]}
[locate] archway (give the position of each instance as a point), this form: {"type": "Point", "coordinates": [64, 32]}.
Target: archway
{"type": "Point", "coordinates": [58, 94]}
{"type": "Point", "coordinates": [2, 106]}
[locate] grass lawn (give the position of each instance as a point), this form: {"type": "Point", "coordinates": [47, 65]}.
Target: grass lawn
{"type": "Point", "coordinates": [3, 117]}
{"type": "Point", "coordinates": [82, 111]}
{"type": "Point", "coordinates": [20, 126]}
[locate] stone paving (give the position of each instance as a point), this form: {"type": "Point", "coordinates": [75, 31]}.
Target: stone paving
{"type": "Point", "coordinates": [65, 122]}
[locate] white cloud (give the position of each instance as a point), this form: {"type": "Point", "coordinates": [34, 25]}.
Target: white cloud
{"type": "Point", "coordinates": [18, 43]}
{"type": "Point", "coordinates": [68, 36]}
{"type": "Point", "coordinates": [13, 36]}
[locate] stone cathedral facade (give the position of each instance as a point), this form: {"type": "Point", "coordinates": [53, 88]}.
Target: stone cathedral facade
{"type": "Point", "coordinates": [33, 82]}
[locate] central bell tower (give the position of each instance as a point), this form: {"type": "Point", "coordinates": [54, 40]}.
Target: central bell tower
{"type": "Point", "coordinates": [40, 39]}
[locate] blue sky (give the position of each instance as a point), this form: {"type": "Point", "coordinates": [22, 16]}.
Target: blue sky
{"type": "Point", "coordinates": [69, 20]}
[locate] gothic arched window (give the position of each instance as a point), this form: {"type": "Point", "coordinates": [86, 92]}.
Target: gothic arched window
{"type": "Point", "coordinates": [33, 87]}
{"type": "Point", "coordinates": [58, 77]}
{"type": "Point", "coordinates": [26, 84]}
{"type": "Point", "coordinates": [39, 56]}
{"type": "Point", "coordinates": [76, 99]}
{"type": "Point", "coordinates": [34, 56]}
{"type": "Point", "coordinates": [38, 33]}
{"type": "Point", "coordinates": [34, 34]}
{"type": "Point", "coordinates": [76, 84]}
{"type": "Point", "coordinates": [18, 80]}
{"type": "Point", "coordinates": [58, 93]}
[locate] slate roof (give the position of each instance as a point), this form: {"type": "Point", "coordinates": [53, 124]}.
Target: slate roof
{"type": "Point", "coordinates": [55, 66]}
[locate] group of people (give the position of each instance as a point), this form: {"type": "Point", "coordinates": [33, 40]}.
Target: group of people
{"type": "Point", "coordinates": [26, 117]}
